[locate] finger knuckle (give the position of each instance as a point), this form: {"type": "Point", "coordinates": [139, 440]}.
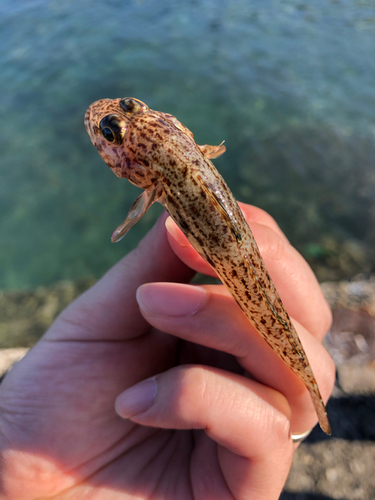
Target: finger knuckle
{"type": "Point", "coordinates": [278, 427]}
{"type": "Point", "coordinates": [190, 388]}
{"type": "Point", "coordinates": [326, 317]}
{"type": "Point", "coordinates": [256, 214]}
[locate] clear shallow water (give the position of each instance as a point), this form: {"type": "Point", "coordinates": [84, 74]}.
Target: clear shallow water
{"type": "Point", "coordinates": [290, 86]}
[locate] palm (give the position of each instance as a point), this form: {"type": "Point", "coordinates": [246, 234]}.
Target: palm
{"type": "Point", "coordinates": [72, 396]}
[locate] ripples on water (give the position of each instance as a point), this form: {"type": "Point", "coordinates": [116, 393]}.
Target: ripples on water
{"type": "Point", "coordinates": [289, 86]}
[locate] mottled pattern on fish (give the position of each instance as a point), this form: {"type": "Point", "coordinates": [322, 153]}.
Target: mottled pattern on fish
{"type": "Point", "coordinates": [157, 153]}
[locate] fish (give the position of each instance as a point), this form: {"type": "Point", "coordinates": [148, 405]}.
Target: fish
{"type": "Point", "coordinates": [157, 153]}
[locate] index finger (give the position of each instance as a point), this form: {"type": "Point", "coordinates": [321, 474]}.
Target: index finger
{"type": "Point", "coordinates": [253, 216]}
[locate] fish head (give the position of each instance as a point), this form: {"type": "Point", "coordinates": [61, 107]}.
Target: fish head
{"type": "Point", "coordinates": [109, 122]}
{"type": "Point", "coordinates": [133, 140]}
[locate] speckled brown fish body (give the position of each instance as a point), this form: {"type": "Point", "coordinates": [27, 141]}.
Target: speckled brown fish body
{"type": "Point", "coordinates": [156, 152]}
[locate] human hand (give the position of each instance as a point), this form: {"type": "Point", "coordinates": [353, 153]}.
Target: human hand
{"type": "Point", "coordinates": [219, 424]}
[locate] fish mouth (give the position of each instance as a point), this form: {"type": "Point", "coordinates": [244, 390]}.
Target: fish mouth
{"type": "Point", "coordinates": [89, 125]}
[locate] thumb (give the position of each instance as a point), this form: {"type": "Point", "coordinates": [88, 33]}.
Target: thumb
{"type": "Point", "coordinates": [109, 309]}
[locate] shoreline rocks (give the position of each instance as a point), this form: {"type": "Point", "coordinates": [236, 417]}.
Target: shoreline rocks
{"type": "Point", "coordinates": [26, 315]}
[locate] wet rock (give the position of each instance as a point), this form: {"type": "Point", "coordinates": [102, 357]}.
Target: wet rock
{"type": "Point", "coordinates": [351, 340]}
{"type": "Point", "coordinates": [356, 294]}
{"type": "Point", "coordinates": [26, 315]}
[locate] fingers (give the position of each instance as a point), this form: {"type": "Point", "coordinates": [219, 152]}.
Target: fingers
{"type": "Point", "coordinates": [252, 214]}
{"type": "Point", "coordinates": [295, 282]}
{"type": "Point", "coordinates": [259, 216]}
{"type": "Point", "coordinates": [249, 422]}
{"type": "Point", "coordinates": [293, 278]}
{"type": "Point", "coordinates": [109, 309]}
{"type": "Point", "coordinates": [209, 316]}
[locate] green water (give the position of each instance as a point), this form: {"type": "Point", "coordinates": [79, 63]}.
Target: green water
{"type": "Point", "coordinates": [289, 85]}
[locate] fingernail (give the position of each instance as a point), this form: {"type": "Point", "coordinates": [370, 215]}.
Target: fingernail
{"type": "Point", "coordinates": [171, 299]}
{"type": "Point", "coordinates": [176, 233]}
{"type": "Point", "coordinates": [137, 399]}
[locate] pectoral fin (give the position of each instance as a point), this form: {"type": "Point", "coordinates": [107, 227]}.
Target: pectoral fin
{"type": "Point", "coordinates": [213, 152]}
{"type": "Point", "coordinates": [136, 212]}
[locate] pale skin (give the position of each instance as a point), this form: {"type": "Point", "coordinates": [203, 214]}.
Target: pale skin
{"type": "Point", "coordinates": [210, 408]}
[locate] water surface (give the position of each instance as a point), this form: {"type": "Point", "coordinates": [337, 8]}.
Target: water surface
{"type": "Point", "coordinates": [288, 84]}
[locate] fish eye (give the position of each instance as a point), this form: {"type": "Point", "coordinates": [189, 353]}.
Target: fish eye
{"type": "Point", "coordinates": [132, 105]}
{"type": "Point", "coordinates": [108, 134]}
{"type": "Point", "coordinates": [113, 128]}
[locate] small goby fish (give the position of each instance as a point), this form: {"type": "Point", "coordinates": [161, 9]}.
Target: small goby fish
{"type": "Point", "coordinates": [154, 151]}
